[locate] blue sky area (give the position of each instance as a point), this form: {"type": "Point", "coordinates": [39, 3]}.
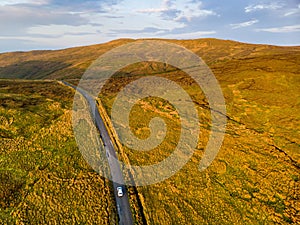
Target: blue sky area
{"type": "Point", "coordinates": [54, 24]}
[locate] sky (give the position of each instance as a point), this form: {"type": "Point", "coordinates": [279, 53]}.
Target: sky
{"type": "Point", "coordinates": [55, 24]}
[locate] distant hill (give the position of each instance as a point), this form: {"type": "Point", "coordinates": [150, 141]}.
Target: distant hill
{"type": "Point", "coordinates": [71, 63]}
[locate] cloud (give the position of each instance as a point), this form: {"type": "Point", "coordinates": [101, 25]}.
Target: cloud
{"type": "Point", "coordinates": [166, 6]}
{"type": "Point", "coordinates": [162, 33]}
{"type": "Point", "coordinates": [60, 30]}
{"type": "Point", "coordinates": [244, 24]}
{"type": "Point", "coordinates": [258, 7]}
{"type": "Point", "coordinates": [293, 11]}
{"type": "Point", "coordinates": [146, 30]}
{"type": "Point", "coordinates": [44, 21]}
{"type": "Point", "coordinates": [190, 35]}
{"type": "Point", "coordinates": [65, 23]}
{"type": "Point", "coordinates": [179, 10]}
{"type": "Point", "coordinates": [152, 10]}
{"type": "Point", "coordinates": [193, 10]}
{"type": "Point", "coordinates": [17, 2]}
{"type": "Point", "coordinates": [54, 42]}
{"type": "Point", "coordinates": [284, 29]}
{"type": "Point", "coordinates": [18, 19]}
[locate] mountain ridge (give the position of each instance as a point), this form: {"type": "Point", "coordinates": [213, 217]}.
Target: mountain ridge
{"type": "Point", "coordinates": [70, 63]}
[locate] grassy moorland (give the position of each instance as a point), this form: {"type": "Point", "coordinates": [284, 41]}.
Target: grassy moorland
{"type": "Point", "coordinates": [43, 177]}
{"type": "Point", "coordinates": [255, 178]}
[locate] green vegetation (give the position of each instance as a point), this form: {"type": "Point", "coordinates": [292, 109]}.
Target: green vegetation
{"type": "Point", "coordinates": [253, 180]}
{"type": "Point", "coordinates": [43, 177]}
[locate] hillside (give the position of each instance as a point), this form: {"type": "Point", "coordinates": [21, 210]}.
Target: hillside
{"type": "Point", "coordinates": [71, 63]}
{"type": "Point", "coordinates": [43, 177]}
{"type": "Point", "coordinates": [255, 179]}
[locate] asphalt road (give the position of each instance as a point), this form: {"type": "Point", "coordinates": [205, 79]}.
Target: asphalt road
{"type": "Point", "coordinates": [123, 206]}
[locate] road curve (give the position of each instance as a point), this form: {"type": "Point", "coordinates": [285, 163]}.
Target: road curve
{"type": "Point", "coordinates": [122, 203]}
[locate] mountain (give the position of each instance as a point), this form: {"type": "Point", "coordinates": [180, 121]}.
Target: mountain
{"type": "Point", "coordinates": [71, 63]}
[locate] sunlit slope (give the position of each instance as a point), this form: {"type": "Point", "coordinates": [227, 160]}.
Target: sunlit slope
{"type": "Point", "coordinates": [255, 178]}
{"type": "Point", "coordinates": [71, 63]}
{"type": "Point", "coordinates": [43, 177]}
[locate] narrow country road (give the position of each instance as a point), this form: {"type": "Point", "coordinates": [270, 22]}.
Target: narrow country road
{"type": "Point", "coordinates": [123, 206]}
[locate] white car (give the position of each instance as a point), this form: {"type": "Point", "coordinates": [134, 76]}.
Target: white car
{"type": "Point", "coordinates": [120, 191]}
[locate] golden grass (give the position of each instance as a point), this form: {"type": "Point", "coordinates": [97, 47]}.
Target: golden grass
{"type": "Point", "coordinates": [255, 177]}
{"type": "Point", "coordinates": [253, 180]}
{"type": "Point", "coordinates": [43, 177]}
